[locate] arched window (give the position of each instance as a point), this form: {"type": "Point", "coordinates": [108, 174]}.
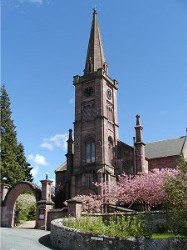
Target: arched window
{"type": "Point", "coordinates": [87, 180]}
{"type": "Point", "coordinates": [90, 151]}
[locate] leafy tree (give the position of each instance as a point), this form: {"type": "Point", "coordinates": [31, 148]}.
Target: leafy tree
{"type": "Point", "coordinates": [176, 189]}
{"type": "Point", "coordinates": [25, 207]}
{"type": "Point", "coordinates": [13, 162]}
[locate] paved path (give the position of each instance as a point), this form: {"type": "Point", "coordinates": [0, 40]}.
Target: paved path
{"type": "Point", "coordinates": [28, 224]}
{"type": "Point", "coordinates": [24, 239]}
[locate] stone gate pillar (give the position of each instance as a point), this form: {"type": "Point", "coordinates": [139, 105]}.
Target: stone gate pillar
{"type": "Point", "coordinates": [3, 192]}
{"type": "Point", "coordinates": [44, 205]}
{"type": "Point", "coordinates": [74, 208]}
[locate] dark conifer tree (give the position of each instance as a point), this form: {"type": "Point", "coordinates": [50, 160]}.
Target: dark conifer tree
{"type": "Point", "coordinates": [21, 159]}
{"type": "Point", "coordinates": [13, 162]}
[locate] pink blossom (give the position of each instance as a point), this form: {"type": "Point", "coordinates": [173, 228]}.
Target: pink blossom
{"type": "Point", "coordinates": [144, 189]}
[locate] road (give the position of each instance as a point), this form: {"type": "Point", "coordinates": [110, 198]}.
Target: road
{"type": "Point", "coordinates": [24, 239]}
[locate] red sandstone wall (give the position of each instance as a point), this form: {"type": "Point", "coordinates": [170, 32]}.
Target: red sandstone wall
{"type": "Point", "coordinates": [166, 162]}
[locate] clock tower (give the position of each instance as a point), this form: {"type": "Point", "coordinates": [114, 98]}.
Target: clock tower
{"type": "Point", "coordinates": [96, 125]}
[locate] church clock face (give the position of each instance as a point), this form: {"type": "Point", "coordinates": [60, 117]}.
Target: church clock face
{"type": "Point", "coordinates": [88, 91]}
{"type": "Point", "coordinates": [109, 94]}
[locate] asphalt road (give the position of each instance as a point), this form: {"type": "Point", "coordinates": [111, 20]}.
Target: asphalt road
{"type": "Point", "coordinates": [24, 239]}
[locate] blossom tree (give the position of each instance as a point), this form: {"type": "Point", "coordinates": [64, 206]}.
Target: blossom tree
{"type": "Point", "coordinates": [146, 189]}
{"type": "Point", "coordinates": [90, 203]}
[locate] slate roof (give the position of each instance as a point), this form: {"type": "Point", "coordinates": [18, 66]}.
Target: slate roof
{"type": "Point", "coordinates": [121, 143]}
{"type": "Point", "coordinates": [164, 148]}
{"type": "Point", "coordinates": [62, 167]}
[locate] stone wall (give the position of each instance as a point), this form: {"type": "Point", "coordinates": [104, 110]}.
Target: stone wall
{"type": "Point", "coordinates": [153, 220]}
{"type": "Point", "coordinates": [67, 238]}
{"type": "Point", "coordinates": [164, 162]}
{"type": "Point", "coordinates": [55, 214]}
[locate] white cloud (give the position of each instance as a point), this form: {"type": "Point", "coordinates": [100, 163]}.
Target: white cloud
{"type": "Point", "coordinates": [39, 2]}
{"type": "Point", "coordinates": [38, 159]}
{"type": "Point", "coordinates": [34, 171]}
{"type": "Point", "coordinates": [36, 1]}
{"type": "Point", "coordinates": [56, 141]}
{"type": "Point", "coordinates": [47, 145]}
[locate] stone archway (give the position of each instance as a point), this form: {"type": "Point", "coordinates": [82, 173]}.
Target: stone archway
{"type": "Point", "coordinates": [7, 219]}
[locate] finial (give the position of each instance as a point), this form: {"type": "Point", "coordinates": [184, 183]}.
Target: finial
{"type": "Point", "coordinates": [46, 176]}
{"type": "Point", "coordinates": [70, 134]}
{"type": "Point", "coordinates": [94, 10]}
{"type": "Point", "coordinates": [137, 120]}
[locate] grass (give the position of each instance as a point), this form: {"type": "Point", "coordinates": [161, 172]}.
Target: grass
{"type": "Point", "coordinates": [166, 236]}
{"type": "Point", "coordinates": [116, 226]}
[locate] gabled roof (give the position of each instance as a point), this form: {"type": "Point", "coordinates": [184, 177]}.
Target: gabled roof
{"type": "Point", "coordinates": [62, 167]}
{"type": "Point", "coordinates": [165, 148]}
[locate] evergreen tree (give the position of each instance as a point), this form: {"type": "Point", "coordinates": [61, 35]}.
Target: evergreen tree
{"type": "Point", "coordinates": [13, 162]}
{"type": "Point", "coordinates": [21, 159]}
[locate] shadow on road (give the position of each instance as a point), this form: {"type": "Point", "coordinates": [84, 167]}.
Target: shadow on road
{"type": "Point", "coordinates": [45, 241]}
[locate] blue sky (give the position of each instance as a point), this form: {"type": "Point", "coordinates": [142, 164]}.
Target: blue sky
{"type": "Point", "coordinates": [44, 44]}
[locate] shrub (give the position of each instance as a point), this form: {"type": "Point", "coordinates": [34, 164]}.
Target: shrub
{"type": "Point", "coordinates": [116, 226]}
{"type": "Point", "coordinates": [176, 189]}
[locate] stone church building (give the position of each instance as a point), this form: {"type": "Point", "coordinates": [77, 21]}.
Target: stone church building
{"type": "Point", "coordinates": [94, 151]}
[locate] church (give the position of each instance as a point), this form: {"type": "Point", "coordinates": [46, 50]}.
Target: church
{"type": "Point", "coordinates": [94, 151]}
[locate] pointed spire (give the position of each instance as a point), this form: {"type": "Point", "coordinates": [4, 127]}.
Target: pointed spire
{"type": "Point", "coordinates": [137, 120]}
{"type": "Point", "coordinates": [70, 143]}
{"type": "Point", "coordinates": [95, 58]}
{"type": "Point", "coordinates": [70, 135]}
{"type": "Point", "coordinates": [138, 129]}
{"type": "Point", "coordinates": [141, 165]}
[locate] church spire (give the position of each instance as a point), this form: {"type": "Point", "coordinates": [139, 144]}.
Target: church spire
{"type": "Point", "coordinates": [95, 58]}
